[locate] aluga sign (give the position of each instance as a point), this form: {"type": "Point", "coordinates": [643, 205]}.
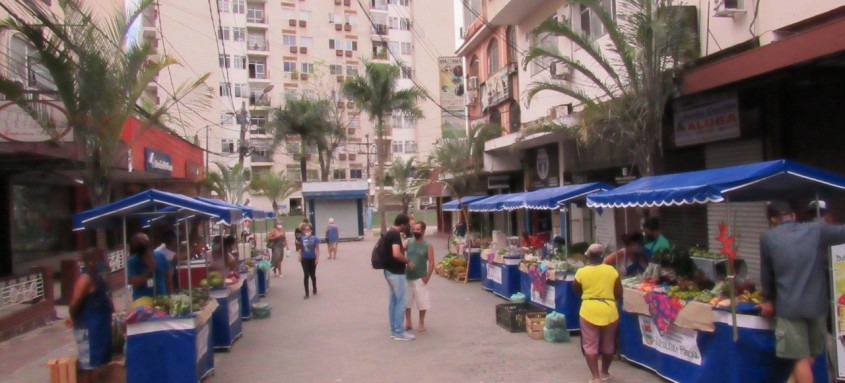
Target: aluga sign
{"type": "Point", "coordinates": [157, 162]}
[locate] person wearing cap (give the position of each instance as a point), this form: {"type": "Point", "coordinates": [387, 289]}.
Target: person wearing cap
{"type": "Point", "coordinates": [600, 288]}
{"type": "Point", "coordinates": [819, 211]}
{"type": "Point", "coordinates": [332, 236]}
{"type": "Point", "coordinates": [793, 276]}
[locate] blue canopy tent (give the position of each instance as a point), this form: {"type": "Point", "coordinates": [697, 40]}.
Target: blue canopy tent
{"type": "Point", "coordinates": [454, 205]}
{"type": "Point", "coordinates": [493, 203]}
{"type": "Point", "coordinates": [552, 198]}
{"type": "Point", "coordinates": [781, 179]}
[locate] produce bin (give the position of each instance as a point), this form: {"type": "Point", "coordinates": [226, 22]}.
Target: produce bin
{"type": "Point", "coordinates": [511, 316]}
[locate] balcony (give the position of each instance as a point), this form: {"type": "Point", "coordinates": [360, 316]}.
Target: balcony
{"type": "Point", "coordinates": [258, 47]}
{"type": "Point", "coordinates": [380, 54]}
{"type": "Point", "coordinates": [378, 5]}
{"type": "Point", "coordinates": [380, 29]}
{"type": "Point", "coordinates": [261, 158]}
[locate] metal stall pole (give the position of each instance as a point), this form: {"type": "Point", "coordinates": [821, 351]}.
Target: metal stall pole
{"type": "Point", "coordinates": [126, 265]}
{"type": "Point", "coordinates": [187, 240]}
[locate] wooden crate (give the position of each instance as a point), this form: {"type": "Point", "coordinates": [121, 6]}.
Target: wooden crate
{"type": "Point", "coordinates": [534, 323]}
{"type": "Point", "coordinates": [62, 370]}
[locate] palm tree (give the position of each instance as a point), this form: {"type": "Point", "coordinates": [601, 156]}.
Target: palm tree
{"type": "Point", "coordinates": [408, 177]}
{"type": "Point", "coordinates": [100, 73]}
{"type": "Point", "coordinates": [329, 139]}
{"type": "Point", "coordinates": [461, 160]}
{"type": "Point", "coordinates": [275, 186]}
{"type": "Point", "coordinates": [300, 116]}
{"type": "Point", "coordinates": [633, 84]}
{"type": "Point", "coordinates": [376, 94]}
{"type": "Point", "coordinates": [230, 184]}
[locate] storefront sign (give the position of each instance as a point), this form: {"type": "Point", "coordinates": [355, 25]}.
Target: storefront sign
{"type": "Point", "coordinates": [838, 264]}
{"type": "Point", "coordinates": [498, 182]}
{"type": "Point", "coordinates": [496, 89]}
{"type": "Point", "coordinates": [549, 300]}
{"type": "Point", "coordinates": [494, 273]}
{"type": "Point", "coordinates": [157, 162]}
{"type": "Point", "coordinates": [677, 342]}
{"type": "Point", "coordinates": [543, 163]}
{"type": "Point", "coordinates": [452, 93]}
{"type": "Point", "coordinates": [700, 123]}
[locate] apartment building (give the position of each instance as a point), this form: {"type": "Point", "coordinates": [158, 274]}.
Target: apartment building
{"type": "Point", "coordinates": [774, 69]}
{"type": "Point", "coordinates": [257, 52]}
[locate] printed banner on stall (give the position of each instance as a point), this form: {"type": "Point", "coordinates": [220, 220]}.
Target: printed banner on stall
{"type": "Point", "coordinates": [202, 341]}
{"type": "Point", "coordinates": [837, 254]}
{"type": "Point", "coordinates": [234, 311]}
{"type": "Point", "coordinates": [677, 342]}
{"type": "Point", "coordinates": [549, 301]}
{"type": "Point", "coordinates": [494, 273]}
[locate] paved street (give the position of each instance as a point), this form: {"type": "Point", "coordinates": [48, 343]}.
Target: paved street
{"type": "Point", "coordinates": [342, 335]}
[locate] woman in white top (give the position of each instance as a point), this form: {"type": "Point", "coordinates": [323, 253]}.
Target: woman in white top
{"type": "Point", "coordinates": [630, 259]}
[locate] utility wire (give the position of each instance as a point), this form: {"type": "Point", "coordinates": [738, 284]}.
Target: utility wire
{"type": "Point", "coordinates": [169, 71]}
{"type": "Point", "coordinates": [224, 71]}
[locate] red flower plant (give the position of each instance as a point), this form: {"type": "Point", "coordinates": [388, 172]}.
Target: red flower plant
{"type": "Point", "coordinates": [727, 242]}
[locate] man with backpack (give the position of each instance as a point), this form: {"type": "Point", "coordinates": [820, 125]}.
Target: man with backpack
{"type": "Point", "coordinates": [394, 262]}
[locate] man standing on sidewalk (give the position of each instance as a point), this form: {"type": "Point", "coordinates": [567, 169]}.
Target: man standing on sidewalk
{"type": "Point", "coordinates": [394, 273]}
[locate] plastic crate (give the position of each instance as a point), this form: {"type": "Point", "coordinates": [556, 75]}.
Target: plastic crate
{"type": "Point", "coordinates": [511, 316]}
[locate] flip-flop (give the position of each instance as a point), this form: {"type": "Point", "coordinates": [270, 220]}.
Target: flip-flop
{"type": "Point", "coordinates": [607, 377]}
{"type": "Point", "coordinates": [420, 329]}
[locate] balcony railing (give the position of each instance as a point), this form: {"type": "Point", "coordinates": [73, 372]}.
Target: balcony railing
{"type": "Point", "coordinates": [258, 45]}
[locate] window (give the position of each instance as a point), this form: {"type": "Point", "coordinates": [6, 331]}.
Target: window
{"type": "Point", "coordinates": [405, 24]}
{"type": "Point", "coordinates": [355, 122]}
{"type": "Point", "coordinates": [590, 23]}
{"type": "Point", "coordinates": [258, 122]}
{"type": "Point", "coordinates": [339, 174]}
{"type": "Point", "coordinates": [352, 45]}
{"type": "Point", "coordinates": [405, 3]}
{"type": "Point", "coordinates": [239, 34]}
{"type": "Point", "coordinates": [312, 175]}
{"type": "Point", "coordinates": [511, 36]}
{"type": "Point", "coordinates": [255, 14]}
{"type": "Point", "coordinates": [305, 15]}
{"type": "Point", "coordinates": [239, 6]}
{"type": "Point", "coordinates": [410, 146]}
{"type": "Point", "coordinates": [239, 62]}
{"type": "Point", "coordinates": [289, 14]}
{"type": "Point", "coordinates": [397, 147]}
{"type": "Point", "coordinates": [356, 174]}
{"type": "Point", "coordinates": [223, 33]}
{"type": "Point", "coordinates": [289, 66]}
{"type": "Point", "coordinates": [334, 18]}
{"type": "Point", "coordinates": [292, 147]}
{"type": "Point", "coordinates": [294, 173]}
{"type": "Point", "coordinates": [307, 68]}
{"type": "Point", "coordinates": [334, 44]}
{"type": "Point", "coordinates": [393, 46]}
{"type": "Point", "coordinates": [257, 69]}
{"type": "Point", "coordinates": [492, 57]}
{"type": "Point", "coordinates": [226, 118]}
{"type": "Point", "coordinates": [225, 89]}
{"type": "Point", "coordinates": [224, 5]}
{"type": "Point", "coordinates": [227, 145]}
{"type": "Point", "coordinates": [406, 48]}
{"type": "Point", "coordinates": [289, 40]}
{"type": "Point", "coordinates": [352, 70]}
{"type": "Point", "coordinates": [224, 61]}
{"type": "Point", "coordinates": [241, 90]}
{"type": "Point", "coordinates": [352, 19]}
{"type": "Point", "coordinates": [393, 23]}
{"type": "Point", "coordinates": [335, 69]}
{"type": "Point", "coordinates": [406, 72]}
{"type": "Point", "coordinates": [305, 41]}
{"type": "Point", "coordinates": [547, 41]}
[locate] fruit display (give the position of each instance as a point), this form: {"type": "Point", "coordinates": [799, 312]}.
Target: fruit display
{"type": "Point", "coordinates": [214, 280]}
{"type": "Point", "coordinates": [698, 252]}
{"type": "Point", "coordinates": [451, 265]}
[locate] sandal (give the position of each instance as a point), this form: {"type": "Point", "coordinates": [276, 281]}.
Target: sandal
{"type": "Point", "coordinates": [606, 377]}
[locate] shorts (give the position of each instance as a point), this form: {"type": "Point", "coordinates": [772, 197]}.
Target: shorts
{"type": "Point", "coordinates": [598, 339]}
{"type": "Point", "coordinates": [332, 245]}
{"type": "Point", "coordinates": [416, 295]}
{"type": "Point", "coordinates": [83, 348]}
{"type": "Point", "coordinates": [800, 337]}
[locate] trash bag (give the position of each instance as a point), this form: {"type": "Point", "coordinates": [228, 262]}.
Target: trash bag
{"type": "Point", "coordinates": [555, 335]}
{"type": "Point", "coordinates": [264, 265]}
{"type": "Point", "coordinates": [555, 320]}
{"type": "Point", "coordinates": [517, 298]}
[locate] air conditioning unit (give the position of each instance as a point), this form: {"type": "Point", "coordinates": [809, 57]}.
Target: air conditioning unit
{"type": "Point", "coordinates": [471, 97]}
{"type": "Point", "coordinates": [728, 8]}
{"type": "Point", "coordinates": [472, 83]}
{"type": "Point", "coordinates": [560, 71]}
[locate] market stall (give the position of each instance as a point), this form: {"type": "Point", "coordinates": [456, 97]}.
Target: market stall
{"type": "Point", "coordinates": [249, 291]}
{"type": "Point", "coordinates": [227, 324]}
{"type": "Point", "coordinates": [671, 323]}
{"type": "Point", "coordinates": [167, 340]}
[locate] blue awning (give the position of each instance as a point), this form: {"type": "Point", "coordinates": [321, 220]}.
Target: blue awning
{"type": "Point", "coordinates": [551, 198]}
{"type": "Point", "coordinates": [151, 203]}
{"type": "Point", "coordinates": [779, 179]}
{"type": "Point", "coordinates": [493, 203]}
{"type": "Point", "coordinates": [453, 205]}
{"type": "Point", "coordinates": [247, 211]}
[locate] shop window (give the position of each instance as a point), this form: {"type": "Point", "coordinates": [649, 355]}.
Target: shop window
{"type": "Point", "coordinates": [492, 57]}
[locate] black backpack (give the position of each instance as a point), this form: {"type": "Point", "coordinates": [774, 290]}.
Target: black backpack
{"type": "Point", "coordinates": [378, 258]}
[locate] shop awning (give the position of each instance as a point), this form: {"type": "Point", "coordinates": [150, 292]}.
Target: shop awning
{"type": "Point", "coordinates": [779, 179]}
{"type": "Point", "coordinates": [246, 211]}
{"type": "Point", "coordinates": [454, 204]}
{"type": "Point", "coordinates": [493, 203]}
{"type": "Point", "coordinates": [151, 202]}
{"type": "Point", "coordinates": [551, 198]}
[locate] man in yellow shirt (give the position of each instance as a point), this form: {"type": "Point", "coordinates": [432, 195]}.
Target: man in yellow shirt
{"type": "Point", "coordinates": [600, 288]}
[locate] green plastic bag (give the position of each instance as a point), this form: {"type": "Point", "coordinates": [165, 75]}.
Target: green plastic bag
{"type": "Point", "coordinates": [264, 265]}
{"type": "Point", "coordinates": [517, 298]}
{"type": "Point", "coordinates": [555, 335]}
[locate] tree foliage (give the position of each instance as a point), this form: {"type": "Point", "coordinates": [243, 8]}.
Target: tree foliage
{"type": "Point", "coordinates": [229, 183]}
{"type": "Point", "coordinates": [630, 80]}
{"type": "Point", "coordinates": [275, 186]}
{"type": "Point", "coordinates": [300, 116]}
{"type": "Point", "coordinates": [408, 177]}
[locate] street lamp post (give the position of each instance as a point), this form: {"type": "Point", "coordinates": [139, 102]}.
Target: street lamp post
{"type": "Point", "coordinates": [367, 149]}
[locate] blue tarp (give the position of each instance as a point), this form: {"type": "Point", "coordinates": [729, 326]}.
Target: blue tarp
{"type": "Point", "coordinates": [551, 198]}
{"type": "Point", "coordinates": [453, 205]}
{"type": "Point", "coordinates": [780, 179]}
{"type": "Point", "coordinates": [493, 203]}
{"type": "Point", "coordinates": [247, 211]}
{"type": "Point", "coordinates": [147, 202]}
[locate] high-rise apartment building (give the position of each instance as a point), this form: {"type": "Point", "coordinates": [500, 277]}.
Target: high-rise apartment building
{"type": "Point", "coordinates": [257, 52]}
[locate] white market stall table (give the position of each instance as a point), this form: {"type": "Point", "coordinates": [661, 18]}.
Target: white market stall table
{"type": "Point", "coordinates": [174, 350]}
{"type": "Point", "coordinates": [227, 325]}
